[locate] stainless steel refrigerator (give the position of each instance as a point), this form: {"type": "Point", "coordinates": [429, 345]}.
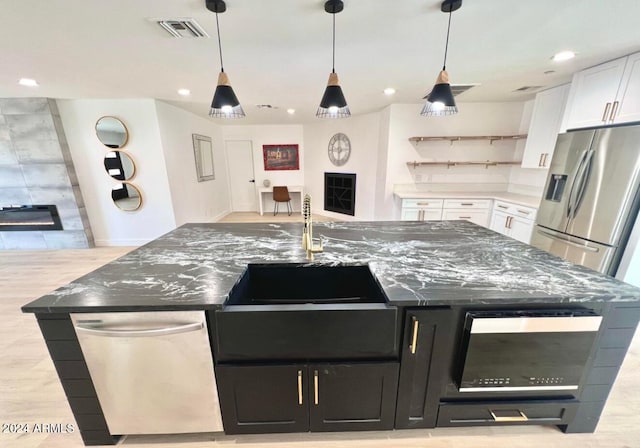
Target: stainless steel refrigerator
{"type": "Point", "coordinates": [590, 200]}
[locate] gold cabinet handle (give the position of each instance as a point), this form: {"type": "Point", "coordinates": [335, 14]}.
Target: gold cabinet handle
{"type": "Point", "coordinates": [464, 217]}
{"type": "Point", "coordinates": [523, 212]}
{"type": "Point", "coordinates": [299, 386]}
{"type": "Point", "coordinates": [421, 215]}
{"type": "Point", "coordinates": [541, 158]}
{"type": "Point", "coordinates": [414, 337]}
{"type": "Point", "coordinates": [606, 112]}
{"type": "Point", "coordinates": [422, 203]}
{"type": "Point", "coordinates": [503, 206]}
{"type": "Point", "coordinates": [506, 222]}
{"type": "Point", "coordinates": [511, 418]}
{"type": "Point", "coordinates": [315, 387]}
{"type": "Point", "coordinates": [614, 110]}
{"type": "Point", "coordinates": [466, 203]}
{"type": "Point", "coordinates": [544, 159]}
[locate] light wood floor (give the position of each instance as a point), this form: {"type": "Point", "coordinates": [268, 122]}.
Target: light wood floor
{"type": "Point", "coordinates": [31, 393]}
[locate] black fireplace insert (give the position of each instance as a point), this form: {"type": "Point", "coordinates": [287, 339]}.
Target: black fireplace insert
{"type": "Point", "coordinates": [340, 193]}
{"type": "Point", "coordinates": [29, 217]}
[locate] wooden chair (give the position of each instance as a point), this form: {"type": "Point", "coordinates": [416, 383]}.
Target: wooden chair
{"type": "Point", "coordinates": [281, 194]}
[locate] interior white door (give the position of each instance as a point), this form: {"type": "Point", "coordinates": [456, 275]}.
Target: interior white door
{"type": "Point", "coordinates": [242, 184]}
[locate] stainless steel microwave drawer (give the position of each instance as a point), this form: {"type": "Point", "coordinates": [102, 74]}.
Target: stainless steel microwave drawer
{"type": "Point", "coordinates": [539, 412]}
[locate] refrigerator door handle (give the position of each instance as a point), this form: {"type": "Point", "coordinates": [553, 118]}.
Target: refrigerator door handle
{"type": "Point", "coordinates": [577, 175]}
{"type": "Point", "coordinates": [582, 183]}
{"type": "Point", "coordinates": [567, 241]}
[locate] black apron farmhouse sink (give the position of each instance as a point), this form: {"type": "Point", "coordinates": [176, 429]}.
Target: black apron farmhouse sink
{"type": "Point", "coordinates": [303, 312]}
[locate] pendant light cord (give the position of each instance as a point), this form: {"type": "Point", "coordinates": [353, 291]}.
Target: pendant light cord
{"type": "Point", "coordinates": [333, 58]}
{"type": "Point", "coordinates": [220, 45]}
{"type": "Point", "coordinates": [446, 45]}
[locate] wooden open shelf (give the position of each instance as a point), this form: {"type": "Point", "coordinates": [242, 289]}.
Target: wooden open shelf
{"type": "Point", "coordinates": [491, 138]}
{"type": "Point", "coordinates": [449, 164]}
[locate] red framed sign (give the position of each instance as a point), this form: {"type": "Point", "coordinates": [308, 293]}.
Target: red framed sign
{"type": "Point", "coordinates": [280, 157]}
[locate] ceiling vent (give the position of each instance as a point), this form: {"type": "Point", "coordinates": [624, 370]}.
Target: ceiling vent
{"type": "Point", "coordinates": [457, 89]}
{"type": "Point", "coordinates": [182, 27]}
{"type": "Point", "coordinates": [527, 89]}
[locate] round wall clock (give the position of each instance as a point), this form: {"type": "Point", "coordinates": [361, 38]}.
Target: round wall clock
{"type": "Point", "coordinates": [339, 149]}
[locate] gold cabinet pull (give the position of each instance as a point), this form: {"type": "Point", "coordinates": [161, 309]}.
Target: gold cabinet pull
{"type": "Point", "coordinates": [315, 387]}
{"type": "Point", "coordinates": [606, 112]}
{"type": "Point", "coordinates": [511, 418]}
{"type": "Point", "coordinates": [523, 212]}
{"type": "Point", "coordinates": [503, 206]}
{"type": "Point", "coordinates": [466, 203]}
{"type": "Point", "coordinates": [414, 337]}
{"type": "Point", "coordinates": [299, 386]}
{"type": "Point", "coordinates": [423, 203]}
{"type": "Point", "coordinates": [421, 215]}
{"type": "Point", "coordinates": [540, 161]}
{"type": "Point", "coordinates": [614, 110]}
{"type": "Point", "coordinates": [544, 159]}
{"type": "Point", "coordinates": [464, 217]}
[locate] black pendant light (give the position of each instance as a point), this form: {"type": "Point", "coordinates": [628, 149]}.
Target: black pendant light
{"type": "Point", "coordinates": [225, 104]}
{"type": "Point", "coordinates": [333, 104]}
{"type": "Point", "coordinates": [440, 100]}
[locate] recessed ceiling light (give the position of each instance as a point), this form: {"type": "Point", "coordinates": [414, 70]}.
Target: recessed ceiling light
{"type": "Point", "coordinates": [563, 56]}
{"type": "Point", "coordinates": [291, 111]}
{"type": "Point", "coordinates": [389, 91]}
{"type": "Point", "coordinates": [184, 92]}
{"type": "Point", "coordinates": [28, 82]}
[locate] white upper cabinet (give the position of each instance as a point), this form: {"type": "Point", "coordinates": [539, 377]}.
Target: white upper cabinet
{"type": "Point", "coordinates": [604, 94]}
{"type": "Point", "coordinates": [545, 124]}
{"type": "Point", "coordinates": [629, 92]}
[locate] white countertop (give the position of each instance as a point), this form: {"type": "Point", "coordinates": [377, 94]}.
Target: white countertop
{"type": "Point", "coordinates": [520, 199]}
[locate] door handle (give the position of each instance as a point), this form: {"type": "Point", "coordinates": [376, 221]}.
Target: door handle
{"type": "Point", "coordinates": [315, 387]}
{"type": "Point", "coordinates": [614, 109]}
{"type": "Point", "coordinates": [414, 337]}
{"type": "Point", "coordinates": [570, 243]}
{"type": "Point", "coordinates": [509, 418]}
{"type": "Point", "coordinates": [606, 112]}
{"type": "Point", "coordinates": [576, 176]}
{"type": "Point", "coordinates": [299, 386]}
{"type": "Point", "coordinates": [584, 181]}
{"type": "Point", "coordinates": [140, 333]}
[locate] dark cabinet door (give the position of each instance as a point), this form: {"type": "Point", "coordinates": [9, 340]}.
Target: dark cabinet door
{"type": "Point", "coordinates": [262, 399]}
{"type": "Point", "coordinates": [348, 397]}
{"type": "Point", "coordinates": [427, 344]}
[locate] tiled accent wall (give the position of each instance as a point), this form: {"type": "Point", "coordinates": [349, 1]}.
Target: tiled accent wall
{"type": "Point", "coordinates": [36, 168]}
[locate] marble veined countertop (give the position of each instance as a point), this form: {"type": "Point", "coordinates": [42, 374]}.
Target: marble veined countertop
{"type": "Point", "coordinates": [520, 199]}
{"type": "Point", "coordinates": [417, 263]}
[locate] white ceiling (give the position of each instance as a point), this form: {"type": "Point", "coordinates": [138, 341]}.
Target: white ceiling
{"type": "Point", "coordinates": [278, 52]}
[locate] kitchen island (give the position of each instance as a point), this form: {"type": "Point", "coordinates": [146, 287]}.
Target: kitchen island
{"type": "Point", "coordinates": [433, 273]}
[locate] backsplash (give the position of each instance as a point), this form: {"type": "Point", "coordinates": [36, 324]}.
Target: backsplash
{"type": "Point", "coordinates": [36, 168]}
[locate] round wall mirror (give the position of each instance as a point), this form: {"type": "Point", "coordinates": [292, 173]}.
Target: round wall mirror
{"type": "Point", "coordinates": [112, 132]}
{"type": "Point", "coordinates": [126, 196]}
{"type": "Point", "coordinates": [119, 165]}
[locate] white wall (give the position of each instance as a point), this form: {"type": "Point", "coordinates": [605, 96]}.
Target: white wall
{"type": "Point", "coordinates": [472, 119]}
{"type": "Point", "coordinates": [364, 133]}
{"type": "Point", "coordinates": [260, 135]}
{"type": "Point", "coordinates": [193, 201]}
{"type": "Point", "coordinates": [110, 225]}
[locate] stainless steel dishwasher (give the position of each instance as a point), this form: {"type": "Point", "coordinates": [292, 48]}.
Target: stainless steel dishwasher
{"type": "Point", "coordinates": [153, 371]}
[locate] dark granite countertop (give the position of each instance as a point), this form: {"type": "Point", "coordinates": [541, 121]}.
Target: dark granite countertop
{"type": "Point", "coordinates": [417, 263]}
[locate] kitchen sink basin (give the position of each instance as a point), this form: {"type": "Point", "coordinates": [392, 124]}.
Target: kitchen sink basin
{"type": "Point", "coordinates": [278, 284]}
{"type": "Point", "coordinates": [306, 312]}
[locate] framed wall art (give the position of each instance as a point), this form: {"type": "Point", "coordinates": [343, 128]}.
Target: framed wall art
{"type": "Point", "coordinates": [280, 157]}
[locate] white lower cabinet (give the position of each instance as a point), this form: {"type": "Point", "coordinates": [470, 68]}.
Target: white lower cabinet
{"type": "Point", "coordinates": [480, 217]}
{"type": "Point", "coordinates": [513, 220]}
{"type": "Point", "coordinates": [422, 209]}
{"type": "Point", "coordinates": [421, 214]}
{"type": "Point", "coordinates": [474, 210]}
